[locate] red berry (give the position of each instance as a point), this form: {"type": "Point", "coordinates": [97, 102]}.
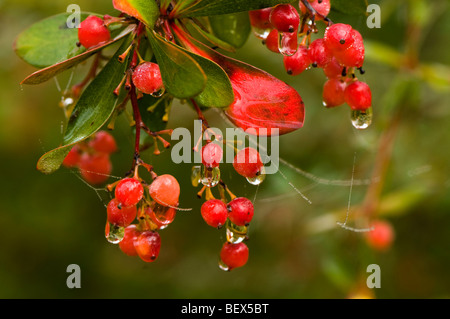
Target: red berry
{"type": "Point", "coordinates": [211, 155]}
{"type": "Point", "coordinates": [161, 216]}
{"type": "Point", "coordinates": [127, 244]}
{"type": "Point", "coordinates": [247, 163]}
{"type": "Point", "coordinates": [92, 32]}
{"type": "Point", "coordinates": [103, 142]}
{"type": "Point", "coordinates": [129, 191]}
{"type": "Point", "coordinates": [381, 237]}
{"type": "Point", "coordinates": [285, 18]}
{"type": "Point", "coordinates": [354, 55]}
{"type": "Point", "coordinates": [333, 69]}
{"type": "Point", "coordinates": [333, 93]}
{"type": "Point", "coordinates": [338, 37]}
{"type": "Point", "coordinates": [148, 245]}
{"type": "Point", "coordinates": [241, 211]}
{"type": "Point", "coordinates": [73, 158]}
{"type": "Point", "coordinates": [95, 169]}
{"type": "Point", "coordinates": [120, 215]}
{"type": "Point", "coordinates": [165, 190]}
{"type": "Point", "coordinates": [147, 78]}
{"type": "Point", "coordinates": [297, 63]}
{"type": "Point", "coordinates": [215, 213]}
{"type": "Point", "coordinates": [272, 41]}
{"type": "Point", "coordinates": [260, 18]}
{"type": "Point", "coordinates": [234, 255]}
{"type": "Point", "coordinates": [318, 53]}
{"type": "Point", "coordinates": [321, 6]}
{"type": "Point", "coordinates": [358, 96]}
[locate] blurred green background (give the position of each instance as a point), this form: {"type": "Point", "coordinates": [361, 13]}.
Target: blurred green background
{"type": "Point", "coordinates": [296, 248]}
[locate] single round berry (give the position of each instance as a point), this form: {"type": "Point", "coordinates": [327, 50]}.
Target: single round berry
{"type": "Point", "coordinates": [148, 245]}
{"type": "Point", "coordinates": [318, 53]}
{"type": "Point", "coordinates": [333, 93]}
{"type": "Point", "coordinates": [95, 169]}
{"type": "Point", "coordinates": [73, 158]}
{"type": "Point", "coordinates": [103, 142]}
{"type": "Point", "coordinates": [381, 237]}
{"type": "Point", "coordinates": [131, 234]}
{"type": "Point", "coordinates": [165, 190]}
{"type": "Point", "coordinates": [358, 96]}
{"type": "Point", "coordinates": [120, 215]}
{"type": "Point", "coordinates": [285, 18]}
{"type": "Point", "coordinates": [272, 41]}
{"type": "Point", "coordinates": [92, 32]}
{"type": "Point", "coordinates": [338, 37]}
{"type": "Point", "coordinates": [147, 78]}
{"type": "Point", "coordinates": [297, 63]}
{"type": "Point", "coordinates": [247, 163]}
{"type": "Point", "coordinates": [212, 155]}
{"type": "Point", "coordinates": [321, 6]}
{"type": "Point", "coordinates": [234, 255]}
{"type": "Point", "coordinates": [333, 69]}
{"type": "Point", "coordinates": [355, 54]}
{"type": "Point", "coordinates": [241, 211]}
{"type": "Point", "coordinates": [260, 18]}
{"type": "Point", "coordinates": [129, 191]}
{"type": "Point", "coordinates": [215, 213]}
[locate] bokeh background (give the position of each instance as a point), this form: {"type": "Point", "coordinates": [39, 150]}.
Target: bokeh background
{"type": "Point", "coordinates": [296, 248]}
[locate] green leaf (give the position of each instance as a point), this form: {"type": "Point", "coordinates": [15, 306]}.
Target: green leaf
{"type": "Point", "coordinates": [153, 110]}
{"type": "Point", "coordinates": [94, 108]}
{"type": "Point", "coordinates": [181, 74]}
{"type": "Point", "coordinates": [146, 11]}
{"type": "Point", "coordinates": [354, 7]}
{"type": "Point", "coordinates": [218, 7]}
{"type": "Point", "coordinates": [232, 28]}
{"type": "Point", "coordinates": [49, 41]}
{"type": "Point", "coordinates": [47, 73]}
{"type": "Point", "coordinates": [214, 39]}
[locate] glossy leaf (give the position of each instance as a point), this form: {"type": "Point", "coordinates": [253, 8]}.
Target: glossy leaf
{"type": "Point", "coordinates": [232, 28]}
{"type": "Point", "coordinates": [218, 7]}
{"type": "Point", "coordinates": [92, 111]}
{"type": "Point", "coordinates": [214, 40]}
{"type": "Point", "coordinates": [47, 73]}
{"type": "Point", "coordinates": [182, 75]}
{"type": "Point", "coordinates": [49, 41]}
{"type": "Point", "coordinates": [262, 102]}
{"type": "Point", "coordinates": [354, 7]}
{"type": "Point", "coordinates": [146, 11]}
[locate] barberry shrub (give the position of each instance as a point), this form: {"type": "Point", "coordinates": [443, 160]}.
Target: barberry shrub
{"type": "Point", "coordinates": [167, 50]}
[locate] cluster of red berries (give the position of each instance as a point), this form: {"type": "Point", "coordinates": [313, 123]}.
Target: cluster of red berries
{"type": "Point", "coordinates": [92, 157]}
{"type": "Point", "coordinates": [235, 214]}
{"type": "Point", "coordinates": [338, 53]}
{"type": "Point", "coordinates": [154, 206]}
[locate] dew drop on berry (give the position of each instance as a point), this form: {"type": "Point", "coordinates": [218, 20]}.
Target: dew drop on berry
{"type": "Point", "coordinates": [287, 43]}
{"type": "Point", "coordinates": [162, 216]}
{"type": "Point", "coordinates": [236, 234]}
{"type": "Point", "coordinates": [361, 119]}
{"type": "Point", "coordinates": [223, 266]}
{"type": "Point", "coordinates": [113, 233]}
{"type": "Point", "coordinates": [258, 179]}
{"type": "Point", "coordinates": [159, 93]}
{"type": "Point", "coordinates": [210, 177]}
{"type": "Point", "coordinates": [196, 175]}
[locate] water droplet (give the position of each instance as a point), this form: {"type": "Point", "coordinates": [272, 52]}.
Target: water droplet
{"type": "Point", "coordinates": [287, 43]}
{"type": "Point", "coordinates": [67, 102]}
{"type": "Point", "coordinates": [258, 179]}
{"type": "Point", "coordinates": [223, 266]}
{"type": "Point", "coordinates": [196, 175]}
{"type": "Point", "coordinates": [162, 216]}
{"type": "Point", "coordinates": [210, 177]}
{"type": "Point", "coordinates": [236, 234]}
{"type": "Point", "coordinates": [362, 119]}
{"type": "Point", "coordinates": [113, 233]}
{"type": "Point", "coordinates": [159, 93]}
{"type": "Point", "coordinates": [261, 33]}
